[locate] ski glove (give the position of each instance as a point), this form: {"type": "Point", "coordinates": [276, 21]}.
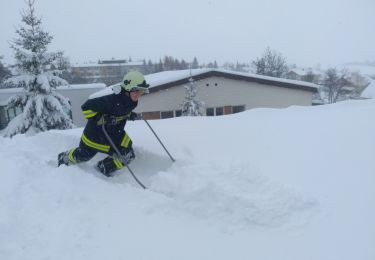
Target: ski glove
{"type": "Point", "coordinates": [133, 116]}
{"type": "Point", "coordinates": [107, 120]}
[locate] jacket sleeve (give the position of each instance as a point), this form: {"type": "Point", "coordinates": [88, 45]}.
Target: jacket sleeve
{"type": "Point", "coordinates": [95, 106]}
{"type": "Point", "coordinates": [108, 105]}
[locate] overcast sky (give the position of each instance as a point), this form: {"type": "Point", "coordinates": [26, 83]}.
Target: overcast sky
{"type": "Point", "coordinates": [329, 32]}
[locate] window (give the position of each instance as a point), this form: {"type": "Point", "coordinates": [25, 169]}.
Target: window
{"type": "Point", "coordinates": [237, 109]}
{"type": "Point", "coordinates": [3, 117]}
{"type": "Point", "coordinates": [178, 113]}
{"type": "Point", "coordinates": [7, 114]}
{"type": "Point", "coordinates": [210, 111]}
{"type": "Point", "coordinates": [18, 110]}
{"type": "Point", "coordinates": [11, 113]}
{"type": "Point", "coordinates": [166, 114]}
{"type": "Point", "coordinates": [219, 111]}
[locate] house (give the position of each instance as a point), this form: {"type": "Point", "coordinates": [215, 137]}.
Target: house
{"type": "Point", "coordinates": [309, 75]}
{"type": "Point", "coordinates": [369, 91]}
{"type": "Point", "coordinates": [223, 92]}
{"type": "Point", "coordinates": [77, 95]}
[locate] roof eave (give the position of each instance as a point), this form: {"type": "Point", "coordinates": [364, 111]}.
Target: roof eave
{"type": "Point", "coordinates": [215, 73]}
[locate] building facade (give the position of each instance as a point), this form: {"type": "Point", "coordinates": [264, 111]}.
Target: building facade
{"type": "Point", "coordinates": [223, 92]}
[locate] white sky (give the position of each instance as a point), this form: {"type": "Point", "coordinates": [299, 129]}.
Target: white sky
{"type": "Point", "coordinates": [329, 32]}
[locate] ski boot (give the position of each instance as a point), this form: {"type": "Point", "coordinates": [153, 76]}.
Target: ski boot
{"type": "Point", "coordinates": [110, 164]}
{"type": "Point", "coordinates": [63, 158]}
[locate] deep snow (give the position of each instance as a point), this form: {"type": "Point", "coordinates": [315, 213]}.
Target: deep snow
{"type": "Point", "coordinates": [296, 183]}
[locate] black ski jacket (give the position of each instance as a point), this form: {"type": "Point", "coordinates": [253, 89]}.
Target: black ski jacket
{"type": "Point", "coordinates": [112, 110]}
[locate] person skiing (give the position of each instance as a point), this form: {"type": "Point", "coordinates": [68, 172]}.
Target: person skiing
{"type": "Point", "coordinates": [113, 111]}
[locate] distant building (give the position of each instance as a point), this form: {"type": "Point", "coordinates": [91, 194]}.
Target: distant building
{"type": "Point", "coordinates": [223, 92]}
{"type": "Point", "coordinates": [309, 75]}
{"type": "Point", "coordinates": [108, 72]}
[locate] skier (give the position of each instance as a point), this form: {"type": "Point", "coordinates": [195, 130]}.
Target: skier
{"type": "Point", "coordinates": [112, 110]}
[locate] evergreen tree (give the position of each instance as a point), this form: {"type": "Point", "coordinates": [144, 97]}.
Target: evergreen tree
{"type": "Point", "coordinates": [159, 66]}
{"type": "Point", "coordinates": [190, 106]}
{"type": "Point", "coordinates": [184, 65]}
{"type": "Point", "coordinates": [43, 108]}
{"type": "Point", "coordinates": [195, 64]}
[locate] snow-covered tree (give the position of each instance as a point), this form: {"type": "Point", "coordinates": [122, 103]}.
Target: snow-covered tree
{"type": "Point", "coordinates": [43, 108]}
{"type": "Point", "coordinates": [191, 106]}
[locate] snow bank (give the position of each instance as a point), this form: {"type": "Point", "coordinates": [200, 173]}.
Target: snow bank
{"type": "Point", "coordinates": [293, 183]}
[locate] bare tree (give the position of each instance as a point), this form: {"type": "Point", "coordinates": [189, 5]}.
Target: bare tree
{"type": "Point", "coordinates": [272, 63]}
{"type": "Point", "coordinates": [336, 86]}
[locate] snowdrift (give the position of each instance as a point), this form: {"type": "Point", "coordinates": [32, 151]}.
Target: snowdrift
{"type": "Point", "coordinates": [294, 183]}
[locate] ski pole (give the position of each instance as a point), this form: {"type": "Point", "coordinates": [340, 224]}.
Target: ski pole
{"type": "Point", "coordinates": [170, 156]}
{"type": "Point", "coordinates": [120, 155]}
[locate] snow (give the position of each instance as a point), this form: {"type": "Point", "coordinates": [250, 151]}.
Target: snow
{"type": "Point", "coordinates": [369, 91]}
{"type": "Point", "coordinates": [364, 69]}
{"type": "Point", "coordinates": [294, 183]}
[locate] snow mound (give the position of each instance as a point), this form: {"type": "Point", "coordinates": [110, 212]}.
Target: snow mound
{"type": "Point", "coordinates": [294, 183]}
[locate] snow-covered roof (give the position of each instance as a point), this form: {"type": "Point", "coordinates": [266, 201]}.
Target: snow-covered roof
{"type": "Point", "coordinates": [305, 71]}
{"type": "Point", "coordinates": [96, 64]}
{"type": "Point", "coordinates": [5, 93]}
{"type": "Point", "coordinates": [158, 80]}
{"type": "Point", "coordinates": [369, 91]}
{"type": "Point", "coordinates": [83, 86]}
{"type": "Point", "coordinates": [72, 86]}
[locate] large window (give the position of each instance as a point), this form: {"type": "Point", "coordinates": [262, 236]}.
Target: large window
{"type": "Point", "coordinates": [215, 111]}
{"type": "Point", "coordinates": [166, 114]}
{"type": "Point", "coordinates": [210, 111]}
{"type": "Point", "coordinates": [178, 113]}
{"type": "Point", "coordinates": [13, 112]}
{"type": "Point", "coordinates": [220, 111]}
{"type": "Point", "coordinates": [237, 109]}
{"type": "Point", "coordinates": [7, 114]}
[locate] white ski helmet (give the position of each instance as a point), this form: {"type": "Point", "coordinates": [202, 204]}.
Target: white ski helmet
{"type": "Point", "coordinates": [134, 81]}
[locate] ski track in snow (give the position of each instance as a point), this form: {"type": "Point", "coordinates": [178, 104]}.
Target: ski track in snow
{"type": "Point", "coordinates": [235, 195]}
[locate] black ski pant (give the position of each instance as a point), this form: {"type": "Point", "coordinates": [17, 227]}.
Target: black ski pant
{"type": "Point", "coordinates": [109, 164]}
